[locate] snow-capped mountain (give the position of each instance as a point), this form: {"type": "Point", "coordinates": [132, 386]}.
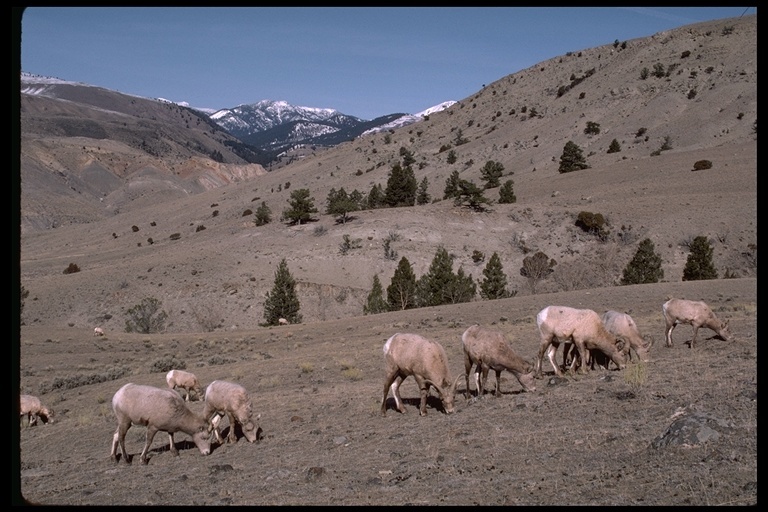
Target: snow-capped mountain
{"type": "Point", "coordinates": [409, 118]}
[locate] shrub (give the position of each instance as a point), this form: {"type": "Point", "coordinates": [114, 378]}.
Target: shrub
{"type": "Point", "coordinates": [200, 227]}
{"type": "Point", "coordinates": [166, 364]}
{"type": "Point", "coordinates": [702, 164]}
{"type": "Point", "coordinates": [146, 317]}
{"type": "Point", "coordinates": [72, 268]}
{"type": "Point", "coordinates": [134, 228]}
{"type": "Point", "coordinates": [593, 223]}
{"type": "Point", "coordinates": [247, 212]}
{"type": "Point", "coordinates": [592, 128]}
{"type": "Point", "coordinates": [478, 256]}
{"type": "Point", "coordinates": [175, 236]}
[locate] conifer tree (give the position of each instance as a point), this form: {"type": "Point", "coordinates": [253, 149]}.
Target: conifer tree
{"type": "Point", "coordinates": [494, 283]}
{"type": "Point", "coordinates": [645, 266]}
{"type": "Point", "coordinates": [491, 173]}
{"type": "Point", "coordinates": [572, 158]}
{"type": "Point", "coordinates": [436, 283]}
{"type": "Point", "coordinates": [615, 147]}
{"type": "Point", "coordinates": [470, 195]}
{"type": "Point", "coordinates": [452, 186]}
{"type": "Point", "coordinates": [375, 197]}
{"type": "Point", "coordinates": [375, 302]}
{"type": "Point", "coordinates": [263, 214]}
{"type": "Point", "coordinates": [422, 194]}
{"type": "Point", "coordinates": [301, 207]}
{"type": "Point", "coordinates": [341, 204]}
{"type": "Point", "coordinates": [699, 265]}
{"type": "Point", "coordinates": [461, 289]}
{"type": "Point", "coordinates": [282, 301]}
{"type": "Point", "coordinates": [507, 193]}
{"type": "Point", "coordinates": [401, 292]}
{"type": "Point", "coordinates": [401, 187]}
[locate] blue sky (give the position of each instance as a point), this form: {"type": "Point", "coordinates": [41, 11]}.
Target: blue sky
{"type": "Point", "coordinates": [362, 61]}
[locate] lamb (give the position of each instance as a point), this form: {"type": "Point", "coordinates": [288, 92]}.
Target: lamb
{"type": "Point", "coordinates": [621, 324]}
{"type": "Point", "coordinates": [410, 354]}
{"type": "Point", "coordinates": [583, 328]}
{"type": "Point", "coordinates": [184, 380]}
{"type": "Point", "coordinates": [222, 397]}
{"type": "Point", "coordinates": [31, 407]}
{"type": "Point", "coordinates": [695, 313]}
{"type": "Point", "coordinates": [282, 321]}
{"type": "Point", "coordinates": [98, 331]}
{"type": "Point", "coordinates": [159, 410]}
{"type": "Point", "coordinates": [489, 349]}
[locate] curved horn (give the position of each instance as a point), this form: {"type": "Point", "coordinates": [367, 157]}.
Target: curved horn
{"type": "Point", "coordinates": [649, 339]}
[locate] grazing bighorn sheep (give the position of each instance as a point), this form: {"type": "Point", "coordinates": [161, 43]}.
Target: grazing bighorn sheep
{"type": "Point", "coordinates": [490, 349]}
{"type": "Point", "coordinates": [411, 354]}
{"type": "Point", "coordinates": [222, 397]}
{"type": "Point", "coordinates": [621, 324]}
{"type": "Point", "coordinates": [583, 328]}
{"type": "Point", "coordinates": [98, 331]}
{"type": "Point", "coordinates": [282, 321]}
{"type": "Point", "coordinates": [159, 410]}
{"type": "Point", "coordinates": [184, 380]}
{"type": "Point", "coordinates": [31, 407]}
{"type": "Point", "coordinates": [695, 313]}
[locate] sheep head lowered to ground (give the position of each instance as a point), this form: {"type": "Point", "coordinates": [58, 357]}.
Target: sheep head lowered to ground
{"type": "Point", "coordinates": [158, 409]}
{"type": "Point", "coordinates": [621, 324]}
{"type": "Point", "coordinates": [489, 349]}
{"type": "Point", "coordinates": [410, 354]}
{"type": "Point", "coordinates": [222, 397]}
{"type": "Point", "coordinates": [583, 328]}
{"type": "Point", "coordinates": [697, 314]}
{"type": "Point", "coordinates": [31, 407]}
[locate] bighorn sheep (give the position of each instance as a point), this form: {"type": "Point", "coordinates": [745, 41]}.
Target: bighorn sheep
{"type": "Point", "coordinates": [583, 328]}
{"type": "Point", "coordinates": [31, 407]}
{"type": "Point", "coordinates": [282, 321]}
{"type": "Point", "coordinates": [222, 397]}
{"type": "Point", "coordinates": [411, 354]}
{"type": "Point", "coordinates": [695, 313]}
{"type": "Point", "coordinates": [159, 410]}
{"type": "Point", "coordinates": [621, 324]}
{"type": "Point", "coordinates": [98, 331]}
{"type": "Point", "coordinates": [490, 349]}
{"type": "Point", "coordinates": [184, 380]}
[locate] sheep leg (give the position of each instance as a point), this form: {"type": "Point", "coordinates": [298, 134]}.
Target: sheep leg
{"type": "Point", "coordinates": [151, 431]}
{"type": "Point", "coordinates": [391, 383]}
{"type": "Point", "coordinates": [584, 353]}
{"type": "Point", "coordinates": [498, 382]}
{"type": "Point", "coordinates": [540, 356]}
{"type": "Point", "coordinates": [467, 370]}
{"type": "Point", "coordinates": [551, 353]}
{"type": "Point", "coordinates": [119, 439]}
{"type": "Point", "coordinates": [396, 393]}
{"type": "Point", "coordinates": [424, 391]}
{"type": "Point", "coordinates": [215, 427]}
{"type": "Point", "coordinates": [695, 331]}
{"type": "Point", "coordinates": [231, 437]}
{"type": "Point", "coordinates": [668, 333]}
{"type": "Point", "coordinates": [482, 369]}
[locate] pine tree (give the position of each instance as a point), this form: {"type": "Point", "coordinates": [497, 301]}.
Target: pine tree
{"type": "Point", "coordinates": [375, 302]}
{"type": "Point", "coordinates": [699, 265]}
{"type": "Point", "coordinates": [572, 158]}
{"type": "Point", "coordinates": [301, 208]}
{"type": "Point", "coordinates": [436, 283]}
{"type": "Point", "coordinates": [401, 292]}
{"type": "Point", "coordinates": [375, 197]}
{"type": "Point", "coordinates": [452, 186]}
{"type": "Point", "coordinates": [422, 194]}
{"type": "Point", "coordinates": [401, 187]}
{"type": "Point", "coordinates": [282, 301]}
{"type": "Point", "coordinates": [461, 289]}
{"type": "Point", "coordinates": [471, 195]}
{"type": "Point", "coordinates": [645, 267]}
{"type": "Point", "coordinates": [491, 173]}
{"type": "Point", "coordinates": [615, 147]}
{"type": "Point", "coordinates": [507, 193]}
{"type": "Point", "coordinates": [341, 204]}
{"type": "Point", "coordinates": [263, 215]}
{"type": "Point", "coordinates": [494, 283]}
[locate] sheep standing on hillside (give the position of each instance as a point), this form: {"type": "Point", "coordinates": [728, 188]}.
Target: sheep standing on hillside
{"type": "Point", "coordinates": [695, 313]}
{"type": "Point", "coordinates": [184, 380]}
{"type": "Point", "coordinates": [159, 410]}
{"type": "Point", "coordinates": [31, 407]}
{"type": "Point", "coordinates": [489, 349]}
{"type": "Point", "coordinates": [411, 354]}
{"type": "Point", "coordinates": [622, 325]}
{"type": "Point", "coordinates": [98, 331]}
{"type": "Point", "coordinates": [222, 397]}
{"type": "Point", "coordinates": [583, 328]}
